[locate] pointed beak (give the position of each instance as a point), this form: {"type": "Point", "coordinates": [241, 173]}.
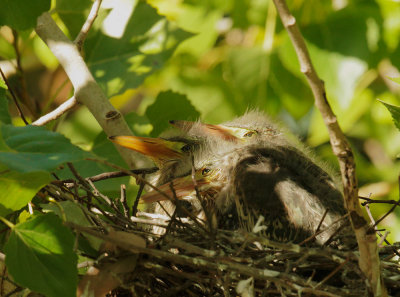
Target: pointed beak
{"type": "Point", "coordinates": [219, 131]}
{"type": "Point", "coordinates": [182, 187]}
{"type": "Point", "coordinates": [158, 149]}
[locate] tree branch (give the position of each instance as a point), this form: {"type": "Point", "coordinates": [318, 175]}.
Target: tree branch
{"type": "Point", "coordinates": [366, 238]}
{"type": "Point", "coordinates": [87, 91]}
{"type": "Point", "coordinates": [88, 24]}
{"type": "Point", "coordinates": [56, 113]}
{"type": "Point", "coordinates": [21, 114]}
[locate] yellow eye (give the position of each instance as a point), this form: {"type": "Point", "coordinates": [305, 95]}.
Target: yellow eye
{"type": "Point", "coordinates": [205, 171]}
{"type": "Point", "coordinates": [249, 134]}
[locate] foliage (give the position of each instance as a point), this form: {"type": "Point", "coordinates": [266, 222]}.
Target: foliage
{"type": "Point", "coordinates": [159, 60]}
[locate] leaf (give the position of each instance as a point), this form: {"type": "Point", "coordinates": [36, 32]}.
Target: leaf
{"type": "Point", "coordinates": [22, 14]}
{"type": "Point", "coordinates": [170, 106]}
{"type": "Point", "coordinates": [73, 214]}
{"type": "Point", "coordinates": [145, 43]}
{"type": "Point", "coordinates": [39, 255]}
{"type": "Point", "coordinates": [4, 114]}
{"type": "Point", "coordinates": [17, 189]}
{"type": "Point", "coordinates": [362, 41]}
{"type": "Point", "coordinates": [37, 149]}
{"type": "Point", "coordinates": [394, 111]}
{"type": "Point", "coordinates": [73, 13]}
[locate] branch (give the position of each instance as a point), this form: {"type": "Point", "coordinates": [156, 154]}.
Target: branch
{"type": "Point", "coordinates": [366, 238]}
{"type": "Point", "coordinates": [21, 114]}
{"type": "Point", "coordinates": [56, 113]}
{"type": "Point", "coordinates": [79, 40]}
{"type": "Point", "coordinates": [87, 25]}
{"type": "Point", "coordinates": [87, 91]}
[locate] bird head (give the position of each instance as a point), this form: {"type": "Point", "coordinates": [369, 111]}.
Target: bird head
{"type": "Point", "coordinates": [251, 127]}
{"type": "Point", "coordinates": [206, 180]}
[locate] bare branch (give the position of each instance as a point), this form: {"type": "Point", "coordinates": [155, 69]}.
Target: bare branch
{"type": "Point", "coordinates": [87, 25]}
{"type": "Point", "coordinates": [369, 260]}
{"type": "Point", "coordinates": [87, 91]}
{"type": "Point", "coordinates": [56, 113]}
{"type": "Point", "coordinates": [21, 114]}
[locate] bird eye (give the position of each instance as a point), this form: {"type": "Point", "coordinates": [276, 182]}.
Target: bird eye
{"type": "Point", "coordinates": [186, 148]}
{"type": "Point", "coordinates": [205, 171]}
{"type": "Point", "coordinates": [249, 134]}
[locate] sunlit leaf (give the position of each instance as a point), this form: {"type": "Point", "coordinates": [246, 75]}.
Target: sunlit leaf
{"type": "Point", "coordinates": [394, 111]}
{"type": "Point", "coordinates": [146, 41]}
{"type": "Point", "coordinates": [22, 14]}
{"type": "Point", "coordinates": [39, 256]}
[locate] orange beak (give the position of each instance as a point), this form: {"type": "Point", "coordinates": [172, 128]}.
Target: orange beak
{"type": "Point", "coordinates": [182, 186]}
{"type": "Point", "coordinates": [218, 131]}
{"type": "Point", "coordinates": [158, 149]}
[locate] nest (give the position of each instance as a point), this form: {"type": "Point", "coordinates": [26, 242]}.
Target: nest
{"type": "Point", "coordinates": [193, 259]}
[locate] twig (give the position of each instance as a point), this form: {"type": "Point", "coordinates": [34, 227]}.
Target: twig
{"type": "Point", "coordinates": [371, 201]}
{"type": "Point", "coordinates": [21, 114]}
{"type": "Point", "coordinates": [87, 25]}
{"type": "Point", "coordinates": [322, 220]}
{"type": "Point", "coordinates": [124, 203]}
{"type": "Point", "coordinates": [83, 182]}
{"type": "Point", "coordinates": [323, 230]}
{"type": "Point", "coordinates": [369, 259]}
{"type": "Point", "coordinates": [332, 273]}
{"type": "Point", "coordinates": [139, 193]}
{"type": "Point", "coordinates": [56, 113]}
{"type": "Point", "coordinates": [383, 238]}
{"type": "Point", "coordinates": [24, 96]}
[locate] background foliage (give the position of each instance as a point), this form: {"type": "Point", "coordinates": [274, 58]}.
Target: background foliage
{"type": "Point", "coordinates": [159, 60]}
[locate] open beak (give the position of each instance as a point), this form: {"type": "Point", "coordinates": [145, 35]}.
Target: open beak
{"type": "Point", "coordinates": [219, 131]}
{"type": "Point", "coordinates": [182, 187]}
{"type": "Point", "coordinates": [158, 149]}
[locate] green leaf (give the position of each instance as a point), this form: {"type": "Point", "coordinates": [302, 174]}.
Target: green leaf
{"type": "Point", "coordinates": [394, 111]}
{"type": "Point", "coordinates": [17, 189]}
{"type": "Point", "coordinates": [22, 14]}
{"type": "Point", "coordinates": [39, 256]}
{"type": "Point", "coordinates": [146, 42]}
{"type": "Point", "coordinates": [73, 13]}
{"type": "Point", "coordinates": [362, 41]}
{"type": "Point", "coordinates": [170, 106]}
{"type": "Point", "coordinates": [37, 149]}
{"type": "Point", "coordinates": [4, 114]}
{"type": "Point", "coordinates": [73, 214]}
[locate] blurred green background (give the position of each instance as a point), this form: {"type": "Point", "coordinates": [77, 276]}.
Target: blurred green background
{"type": "Point", "coordinates": [171, 59]}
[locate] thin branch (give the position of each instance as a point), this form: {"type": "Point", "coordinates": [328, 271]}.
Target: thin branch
{"type": "Point", "coordinates": [21, 114]}
{"type": "Point", "coordinates": [88, 24]}
{"type": "Point", "coordinates": [139, 193]}
{"type": "Point", "coordinates": [369, 259]}
{"type": "Point", "coordinates": [370, 201]}
{"type": "Point", "coordinates": [56, 113]}
{"type": "Point", "coordinates": [30, 104]}
{"type": "Point", "coordinates": [383, 237]}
